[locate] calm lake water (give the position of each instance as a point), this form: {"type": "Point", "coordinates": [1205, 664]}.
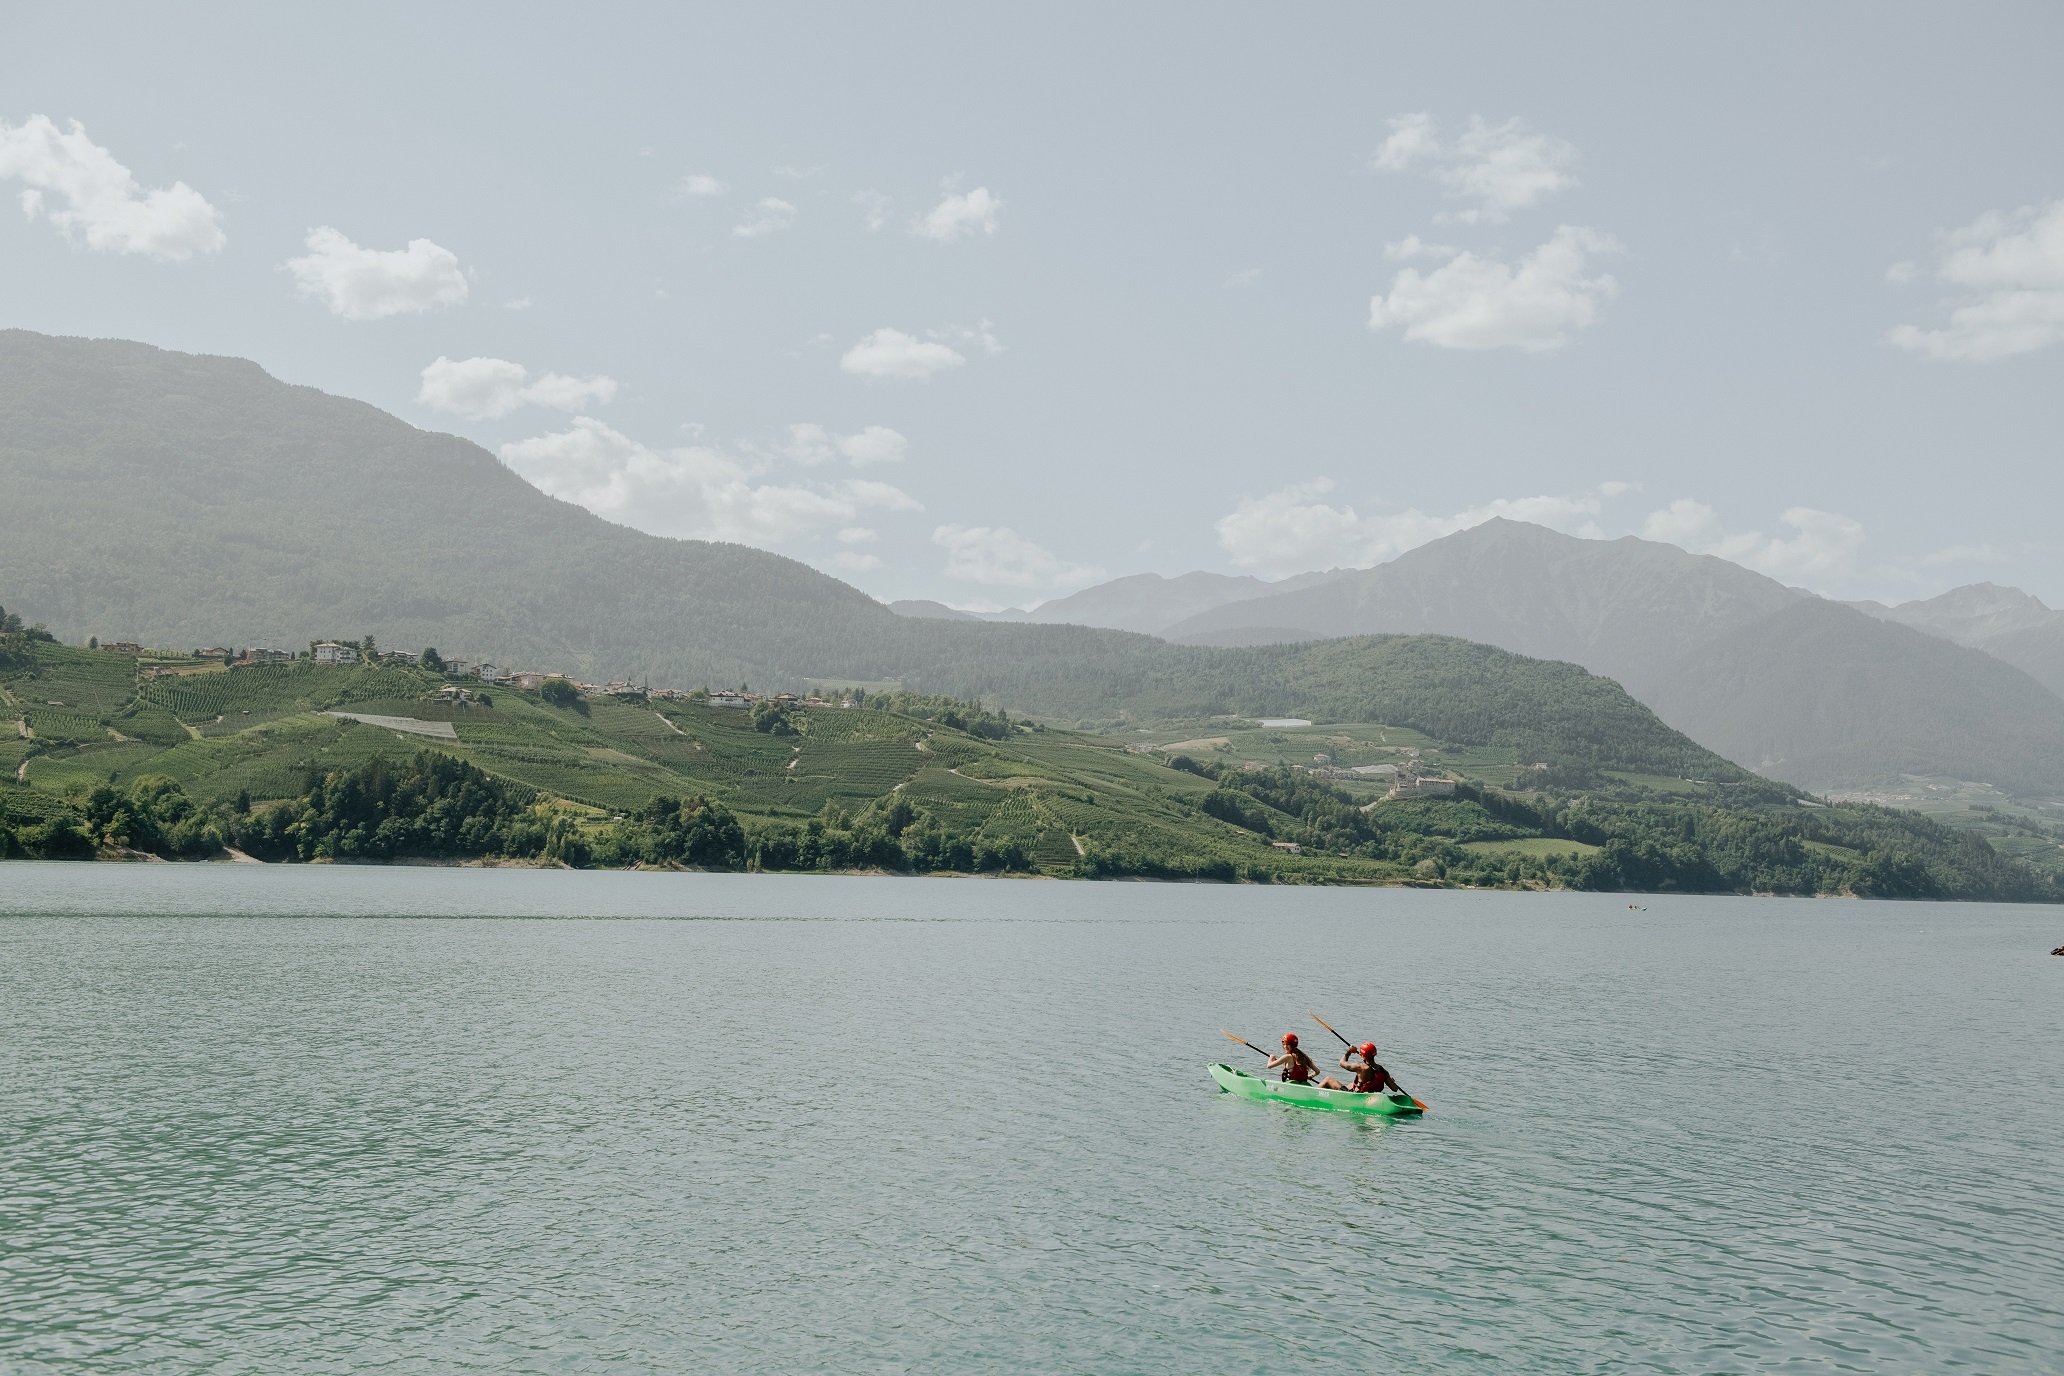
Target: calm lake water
{"type": "Point", "coordinates": [284, 1120]}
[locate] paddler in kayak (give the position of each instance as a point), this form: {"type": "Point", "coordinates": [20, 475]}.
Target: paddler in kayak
{"type": "Point", "coordinates": [1369, 1077]}
{"type": "Point", "coordinates": [1298, 1068]}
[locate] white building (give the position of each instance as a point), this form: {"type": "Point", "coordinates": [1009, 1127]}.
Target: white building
{"type": "Point", "coordinates": [330, 652]}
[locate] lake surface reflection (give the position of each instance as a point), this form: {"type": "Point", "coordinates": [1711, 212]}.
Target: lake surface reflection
{"type": "Point", "coordinates": [316, 1119]}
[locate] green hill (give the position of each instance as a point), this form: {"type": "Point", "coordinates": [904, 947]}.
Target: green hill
{"type": "Point", "coordinates": [299, 761]}
{"type": "Point", "coordinates": [182, 500]}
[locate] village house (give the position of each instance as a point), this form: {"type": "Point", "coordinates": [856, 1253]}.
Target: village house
{"type": "Point", "coordinates": [528, 680]}
{"type": "Point", "coordinates": [215, 652]}
{"type": "Point", "coordinates": [1412, 786]}
{"type": "Point", "coordinates": [122, 647]}
{"type": "Point", "coordinates": [330, 652]}
{"type": "Point", "coordinates": [729, 699]}
{"type": "Point", "coordinates": [267, 656]}
{"type": "Point", "coordinates": [453, 692]}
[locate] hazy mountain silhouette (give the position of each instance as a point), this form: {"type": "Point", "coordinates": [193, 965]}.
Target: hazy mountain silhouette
{"type": "Point", "coordinates": [2006, 623]}
{"type": "Point", "coordinates": [1817, 692]}
{"type": "Point", "coordinates": [1625, 608]}
{"type": "Point", "coordinates": [184, 500]}
{"type": "Point", "coordinates": [1145, 602]}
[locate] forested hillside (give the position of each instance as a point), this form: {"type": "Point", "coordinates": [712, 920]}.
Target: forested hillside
{"type": "Point", "coordinates": [182, 758]}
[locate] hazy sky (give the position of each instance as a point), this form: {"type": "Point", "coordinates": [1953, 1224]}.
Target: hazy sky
{"type": "Point", "coordinates": [983, 305]}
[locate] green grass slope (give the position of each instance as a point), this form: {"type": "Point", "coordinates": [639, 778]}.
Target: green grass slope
{"type": "Point", "coordinates": [238, 741]}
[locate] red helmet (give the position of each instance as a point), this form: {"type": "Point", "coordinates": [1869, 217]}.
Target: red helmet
{"type": "Point", "coordinates": [1290, 1039]}
{"type": "Point", "coordinates": [1368, 1050]}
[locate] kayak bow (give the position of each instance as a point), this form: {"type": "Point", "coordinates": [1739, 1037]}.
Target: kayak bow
{"type": "Point", "coordinates": [1311, 1096]}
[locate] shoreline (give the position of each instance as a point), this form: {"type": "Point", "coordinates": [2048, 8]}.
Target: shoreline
{"type": "Point", "coordinates": [239, 858]}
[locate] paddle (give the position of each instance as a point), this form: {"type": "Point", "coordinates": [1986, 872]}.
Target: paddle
{"type": "Point", "coordinates": [1351, 1046]}
{"type": "Point", "coordinates": [1244, 1042]}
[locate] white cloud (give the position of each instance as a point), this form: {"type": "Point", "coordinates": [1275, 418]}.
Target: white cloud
{"type": "Point", "coordinates": [800, 174]}
{"type": "Point", "coordinates": [1245, 277]}
{"type": "Point", "coordinates": [698, 492]}
{"type": "Point", "coordinates": [1414, 139]}
{"type": "Point", "coordinates": [1499, 167]}
{"type": "Point", "coordinates": [1472, 302]}
{"type": "Point", "coordinates": [813, 444]}
{"type": "Point", "coordinates": [768, 216]}
{"type": "Point", "coordinates": [855, 561]}
{"type": "Point", "coordinates": [958, 215]}
{"type": "Point", "coordinates": [874, 208]}
{"type": "Point", "coordinates": [874, 444]}
{"type": "Point", "coordinates": [485, 388]}
{"type": "Point", "coordinates": [700, 184]}
{"type": "Point", "coordinates": [1000, 557]}
{"type": "Point", "coordinates": [80, 187]}
{"type": "Point", "coordinates": [371, 284]}
{"type": "Point", "coordinates": [1684, 522]}
{"type": "Point", "coordinates": [1293, 530]}
{"type": "Point", "coordinates": [2007, 269]}
{"type": "Point", "coordinates": [1821, 544]}
{"type": "Point", "coordinates": [1964, 554]}
{"type": "Point", "coordinates": [857, 535]}
{"type": "Point", "coordinates": [518, 303]}
{"type": "Point", "coordinates": [1412, 246]}
{"type": "Point", "coordinates": [979, 336]}
{"type": "Point", "coordinates": [892, 353]}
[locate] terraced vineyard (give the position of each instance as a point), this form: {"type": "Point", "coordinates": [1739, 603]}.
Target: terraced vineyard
{"type": "Point", "coordinates": [258, 732]}
{"type": "Point", "coordinates": [61, 724]}
{"type": "Point", "coordinates": [884, 786]}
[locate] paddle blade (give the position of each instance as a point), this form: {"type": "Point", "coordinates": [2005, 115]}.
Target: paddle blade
{"type": "Point", "coordinates": [1242, 1041]}
{"type": "Point", "coordinates": [1329, 1027]}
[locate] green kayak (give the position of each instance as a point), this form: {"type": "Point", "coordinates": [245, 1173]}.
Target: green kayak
{"type": "Point", "coordinates": [1308, 1096]}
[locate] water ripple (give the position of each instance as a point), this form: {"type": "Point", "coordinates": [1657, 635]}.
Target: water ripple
{"type": "Point", "coordinates": [876, 1126]}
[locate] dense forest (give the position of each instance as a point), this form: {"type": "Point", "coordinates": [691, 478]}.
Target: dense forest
{"type": "Point", "coordinates": [1761, 841]}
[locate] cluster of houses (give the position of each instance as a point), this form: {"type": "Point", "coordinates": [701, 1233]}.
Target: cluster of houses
{"type": "Point", "coordinates": [724, 697]}
{"type": "Point", "coordinates": [1407, 778]}
{"type": "Point", "coordinates": [466, 674]}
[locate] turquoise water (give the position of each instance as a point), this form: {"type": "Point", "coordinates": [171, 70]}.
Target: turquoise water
{"type": "Point", "coordinates": [283, 1120]}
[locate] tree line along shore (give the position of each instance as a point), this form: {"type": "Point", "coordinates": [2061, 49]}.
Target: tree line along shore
{"type": "Point", "coordinates": [375, 762]}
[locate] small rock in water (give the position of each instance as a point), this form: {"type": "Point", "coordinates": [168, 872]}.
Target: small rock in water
{"type": "Point", "coordinates": [2058, 952]}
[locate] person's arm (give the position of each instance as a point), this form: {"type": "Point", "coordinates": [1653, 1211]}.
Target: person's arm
{"type": "Point", "coordinates": [1275, 1061]}
{"type": "Point", "coordinates": [1345, 1064]}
